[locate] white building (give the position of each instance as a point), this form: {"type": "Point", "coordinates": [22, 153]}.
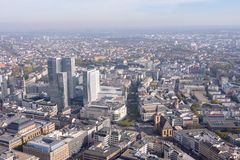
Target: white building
{"type": "Point", "coordinates": [73, 137]}
{"type": "Point", "coordinates": [91, 85]}
{"type": "Point", "coordinates": [104, 107]}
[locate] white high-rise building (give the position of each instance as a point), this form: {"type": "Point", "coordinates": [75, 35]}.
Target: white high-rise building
{"type": "Point", "coordinates": [91, 85]}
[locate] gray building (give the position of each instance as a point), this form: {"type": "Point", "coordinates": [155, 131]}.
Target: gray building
{"type": "Point", "coordinates": [54, 67]}
{"type": "Point", "coordinates": [60, 75]}
{"type": "Point", "coordinates": [3, 86]}
{"type": "Point", "coordinates": [68, 65]}
{"type": "Point", "coordinates": [58, 91]}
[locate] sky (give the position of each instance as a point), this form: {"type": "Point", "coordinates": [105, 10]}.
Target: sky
{"type": "Point", "coordinates": [96, 14]}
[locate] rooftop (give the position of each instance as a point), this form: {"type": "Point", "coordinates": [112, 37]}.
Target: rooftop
{"type": "Point", "coordinates": [101, 151]}
{"type": "Point", "coordinates": [151, 100]}
{"type": "Point", "coordinates": [20, 124]}
{"type": "Point", "coordinates": [7, 138]}
{"type": "Point", "coordinates": [106, 103]}
{"type": "Point", "coordinates": [45, 144]}
{"type": "Point", "coordinates": [24, 156]}
{"type": "Point", "coordinates": [3, 149]}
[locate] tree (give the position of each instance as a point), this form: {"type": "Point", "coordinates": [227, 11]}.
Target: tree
{"type": "Point", "coordinates": [195, 107]}
{"type": "Point", "coordinates": [215, 101]}
{"type": "Point", "coordinates": [223, 135]}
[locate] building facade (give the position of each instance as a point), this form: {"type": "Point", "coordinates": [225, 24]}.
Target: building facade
{"type": "Point", "coordinates": [47, 148]}
{"type": "Point", "coordinates": [22, 130]}
{"type": "Point", "coordinates": [163, 126]}
{"type": "Point", "coordinates": [91, 85]}
{"type": "Point", "coordinates": [60, 76]}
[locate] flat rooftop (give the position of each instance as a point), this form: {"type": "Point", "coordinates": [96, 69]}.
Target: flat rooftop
{"type": "Point", "coordinates": [3, 149]}
{"type": "Point", "coordinates": [150, 100]}
{"type": "Point", "coordinates": [7, 138]}
{"type": "Point", "coordinates": [101, 151]}
{"type": "Point", "coordinates": [106, 103]}
{"type": "Point", "coordinates": [23, 156]}
{"type": "Point", "coordinates": [20, 124]}
{"type": "Point", "coordinates": [45, 144]}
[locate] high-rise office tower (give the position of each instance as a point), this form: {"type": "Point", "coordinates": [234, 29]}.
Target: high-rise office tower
{"type": "Point", "coordinates": [68, 65]}
{"type": "Point", "coordinates": [3, 86]}
{"type": "Point", "coordinates": [54, 67]}
{"type": "Point", "coordinates": [62, 90]}
{"type": "Point", "coordinates": [22, 81]}
{"type": "Point", "coordinates": [91, 85]}
{"type": "Point", "coordinates": [60, 72]}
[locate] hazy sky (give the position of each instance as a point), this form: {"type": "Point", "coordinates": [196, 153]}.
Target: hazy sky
{"type": "Point", "coordinates": [77, 14]}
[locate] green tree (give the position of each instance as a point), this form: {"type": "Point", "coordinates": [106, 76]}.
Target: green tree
{"type": "Point", "coordinates": [215, 101]}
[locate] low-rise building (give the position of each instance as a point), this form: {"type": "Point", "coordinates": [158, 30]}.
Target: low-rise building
{"type": "Point", "coordinates": [47, 148]}
{"type": "Point", "coordinates": [75, 138]}
{"type": "Point", "coordinates": [105, 107]}
{"type": "Point", "coordinates": [205, 144]}
{"type": "Point", "coordinates": [6, 154]}
{"type": "Point", "coordinates": [91, 126]}
{"type": "Point", "coordinates": [99, 151]}
{"type": "Point", "coordinates": [149, 106]}
{"type": "Point", "coordinates": [22, 130]}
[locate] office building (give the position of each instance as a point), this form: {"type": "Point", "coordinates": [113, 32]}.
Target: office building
{"type": "Point", "coordinates": [103, 135]}
{"type": "Point", "coordinates": [58, 91]}
{"type": "Point", "coordinates": [22, 83]}
{"type": "Point", "coordinates": [138, 150]}
{"type": "Point", "coordinates": [62, 99]}
{"type": "Point", "coordinates": [115, 137]}
{"type": "Point", "coordinates": [149, 106]}
{"type": "Point", "coordinates": [54, 67]}
{"type": "Point", "coordinates": [68, 65]}
{"type": "Point", "coordinates": [47, 148]}
{"type": "Point", "coordinates": [37, 88]}
{"type": "Point", "coordinates": [91, 85]}
{"type": "Point", "coordinates": [35, 104]}
{"type": "Point", "coordinates": [206, 144]}
{"type": "Point", "coordinates": [105, 107]}
{"type": "Point", "coordinates": [60, 75]}
{"type": "Point", "coordinates": [74, 137]}
{"type": "Point", "coordinates": [3, 86]}
{"type": "Point", "coordinates": [100, 151]}
{"type": "Point", "coordinates": [91, 126]}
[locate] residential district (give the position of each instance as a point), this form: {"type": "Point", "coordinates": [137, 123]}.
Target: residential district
{"type": "Point", "coordinates": [120, 96]}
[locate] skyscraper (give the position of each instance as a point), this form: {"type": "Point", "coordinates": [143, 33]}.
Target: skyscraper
{"type": "Point", "coordinates": [22, 81]}
{"type": "Point", "coordinates": [60, 75]}
{"type": "Point", "coordinates": [68, 65]}
{"type": "Point", "coordinates": [91, 85]}
{"type": "Point", "coordinates": [62, 99]}
{"type": "Point", "coordinates": [3, 86]}
{"type": "Point", "coordinates": [54, 67]}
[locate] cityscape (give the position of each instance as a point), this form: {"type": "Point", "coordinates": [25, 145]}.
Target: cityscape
{"type": "Point", "coordinates": [134, 94]}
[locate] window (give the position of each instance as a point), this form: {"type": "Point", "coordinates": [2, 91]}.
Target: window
{"type": "Point", "coordinates": [170, 132]}
{"type": "Point", "coordinates": [164, 132]}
